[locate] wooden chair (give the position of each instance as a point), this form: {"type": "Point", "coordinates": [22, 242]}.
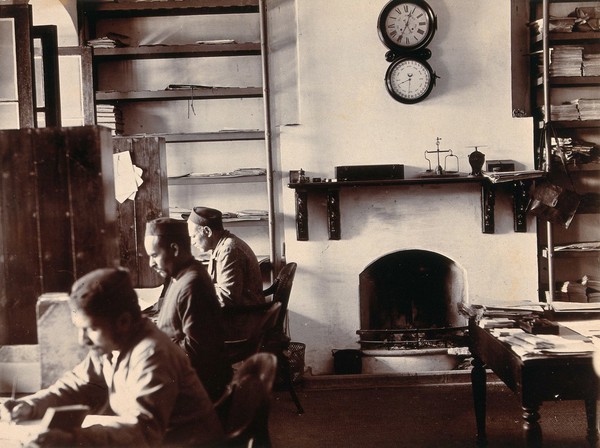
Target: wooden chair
{"type": "Point", "coordinates": [276, 340]}
{"type": "Point", "coordinates": [244, 408]}
{"type": "Point", "coordinates": [246, 327]}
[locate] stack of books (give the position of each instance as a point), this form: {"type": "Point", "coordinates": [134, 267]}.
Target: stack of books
{"type": "Point", "coordinates": [110, 116]}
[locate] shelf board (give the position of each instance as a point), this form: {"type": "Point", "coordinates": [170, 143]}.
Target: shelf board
{"type": "Point", "coordinates": [180, 7]}
{"type": "Point", "coordinates": [573, 37]}
{"type": "Point", "coordinates": [572, 253]}
{"type": "Point", "coordinates": [178, 51]}
{"type": "Point", "coordinates": [571, 81]}
{"type": "Point", "coordinates": [180, 94]}
{"type": "Point", "coordinates": [190, 137]}
{"type": "Point", "coordinates": [246, 223]}
{"type": "Point", "coordinates": [214, 136]}
{"type": "Point", "coordinates": [189, 180]}
{"type": "Point", "coordinates": [576, 124]}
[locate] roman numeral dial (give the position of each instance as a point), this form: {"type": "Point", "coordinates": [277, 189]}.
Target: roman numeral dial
{"type": "Point", "coordinates": [406, 26]}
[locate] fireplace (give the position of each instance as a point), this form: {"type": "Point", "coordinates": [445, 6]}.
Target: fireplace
{"type": "Point", "coordinates": [408, 307]}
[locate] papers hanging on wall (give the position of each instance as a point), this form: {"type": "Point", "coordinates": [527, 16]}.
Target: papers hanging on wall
{"type": "Point", "coordinates": [128, 177]}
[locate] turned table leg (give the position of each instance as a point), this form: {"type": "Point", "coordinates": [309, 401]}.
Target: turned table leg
{"type": "Point", "coordinates": [478, 384]}
{"type": "Point", "coordinates": [531, 426]}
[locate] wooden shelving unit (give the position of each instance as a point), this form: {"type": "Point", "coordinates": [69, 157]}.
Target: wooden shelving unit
{"type": "Point", "coordinates": [94, 19]}
{"type": "Point", "coordinates": [559, 266]}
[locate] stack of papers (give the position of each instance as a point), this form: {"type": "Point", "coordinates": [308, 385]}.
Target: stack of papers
{"type": "Point", "coordinates": [563, 112]}
{"type": "Point", "coordinates": [589, 109]}
{"type": "Point", "coordinates": [496, 322]}
{"type": "Point", "coordinates": [566, 60]}
{"type": "Point", "coordinates": [591, 64]}
{"type": "Point", "coordinates": [510, 176]}
{"type": "Point", "coordinates": [111, 40]}
{"type": "Point", "coordinates": [555, 25]}
{"type": "Point", "coordinates": [240, 172]}
{"type": "Point", "coordinates": [526, 344]}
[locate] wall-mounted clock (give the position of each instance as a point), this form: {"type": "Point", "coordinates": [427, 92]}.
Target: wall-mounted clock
{"type": "Point", "coordinates": [405, 26]}
{"type": "Point", "coordinates": [410, 79]}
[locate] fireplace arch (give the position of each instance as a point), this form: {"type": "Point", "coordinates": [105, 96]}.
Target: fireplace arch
{"type": "Point", "coordinates": [411, 289]}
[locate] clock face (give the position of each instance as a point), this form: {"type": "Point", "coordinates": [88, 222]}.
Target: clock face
{"type": "Point", "coordinates": [406, 25]}
{"type": "Point", "coordinates": [409, 80]}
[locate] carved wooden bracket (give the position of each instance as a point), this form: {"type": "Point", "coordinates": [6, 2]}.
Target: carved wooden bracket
{"type": "Point", "coordinates": [520, 202]}
{"type": "Point", "coordinates": [488, 201]}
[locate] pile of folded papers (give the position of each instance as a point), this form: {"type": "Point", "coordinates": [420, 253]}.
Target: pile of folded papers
{"type": "Point", "coordinates": [566, 60]}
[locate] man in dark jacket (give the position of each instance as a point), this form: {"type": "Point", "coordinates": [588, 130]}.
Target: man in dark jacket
{"type": "Point", "coordinates": [189, 312]}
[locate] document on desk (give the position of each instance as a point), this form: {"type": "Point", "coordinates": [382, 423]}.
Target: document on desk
{"type": "Point", "coordinates": [18, 434]}
{"type": "Point", "coordinates": [529, 345]}
{"type": "Point", "coordinates": [585, 327]}
{"type": "Point", "coordinates": [579, 307]}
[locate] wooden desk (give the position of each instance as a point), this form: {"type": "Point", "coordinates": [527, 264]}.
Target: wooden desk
{"type": "Point", "coordinates": [533, 380]}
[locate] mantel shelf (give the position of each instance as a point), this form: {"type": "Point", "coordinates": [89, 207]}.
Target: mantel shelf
{"type": "Point", "coordinates": [310, 186]}
{"type": "Point", "coordinates": [519, 190]}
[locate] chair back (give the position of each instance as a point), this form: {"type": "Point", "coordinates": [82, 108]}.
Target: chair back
{"type": "Point", "coordinates": [244, 408]}
{"type": "Point", "coordinates": [246, 327]}
{"type": "Point", "coordinates": [281, 290]}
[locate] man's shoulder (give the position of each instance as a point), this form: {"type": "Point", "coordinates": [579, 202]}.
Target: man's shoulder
{"type": "Point", "coordinates": [234, 244]}
{"type": "Point", "coordinates": [152, 342]}
{"type": "Point", "coordinates": [194, 270]}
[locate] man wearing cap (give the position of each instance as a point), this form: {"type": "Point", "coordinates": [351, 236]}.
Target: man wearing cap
{"type": "Point", "coordinates": [189, 312]}
{"type": "Point", "coordinates": [133, 372]}
{"type": "Point", "coordinates": [233, 266]}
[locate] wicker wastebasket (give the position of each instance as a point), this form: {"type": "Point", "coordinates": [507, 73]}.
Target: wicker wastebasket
{"type": "Point", "coordinates": [296, 352]}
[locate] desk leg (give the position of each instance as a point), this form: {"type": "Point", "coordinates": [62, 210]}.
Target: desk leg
{"type": "Point", "coordinates": [592, 422]}
{"type": "Point", "coordinates": [531, 426]}
{"type": "Point", "coordinates": [478, 384]}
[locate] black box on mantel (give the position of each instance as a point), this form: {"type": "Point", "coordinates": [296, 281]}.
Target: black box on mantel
{"type": "Point", "coordinates": [369, 172]}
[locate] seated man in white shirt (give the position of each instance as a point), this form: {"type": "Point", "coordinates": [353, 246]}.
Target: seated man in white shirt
{"type": "Point", "coordinates": [132, 371]}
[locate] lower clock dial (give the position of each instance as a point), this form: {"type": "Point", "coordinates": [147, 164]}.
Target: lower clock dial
{"type": "Point", "coordinates": [409, 80]}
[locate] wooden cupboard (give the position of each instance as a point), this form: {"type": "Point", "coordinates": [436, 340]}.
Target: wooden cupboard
{"type": "Point", "coordinates": [58, 217]}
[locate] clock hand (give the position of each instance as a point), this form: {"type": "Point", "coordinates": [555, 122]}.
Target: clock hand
{"type": "Point", "coordinates": [408, 19]}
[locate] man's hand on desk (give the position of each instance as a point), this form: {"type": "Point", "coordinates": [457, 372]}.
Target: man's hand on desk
{"type": "Point", "coordinates": [19, 411]}
{"type": "Point", "coordinates": [53, 437]}
{"type": "Point", "coordinates": [15, 410]}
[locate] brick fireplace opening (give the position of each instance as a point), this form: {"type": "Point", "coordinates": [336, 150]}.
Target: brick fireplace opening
{"type": "Point", "coordinates": [409, 307]}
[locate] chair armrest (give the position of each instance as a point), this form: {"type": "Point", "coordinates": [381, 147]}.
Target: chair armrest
{"type": "Point", "coordinates": [271, 289]}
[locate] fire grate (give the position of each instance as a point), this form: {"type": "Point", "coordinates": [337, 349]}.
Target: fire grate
{"type": "Point", "coordinates": [413, 338]}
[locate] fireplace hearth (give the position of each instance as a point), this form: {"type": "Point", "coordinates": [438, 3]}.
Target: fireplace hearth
{"type": "Point", "coordinates": [409, 306]}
